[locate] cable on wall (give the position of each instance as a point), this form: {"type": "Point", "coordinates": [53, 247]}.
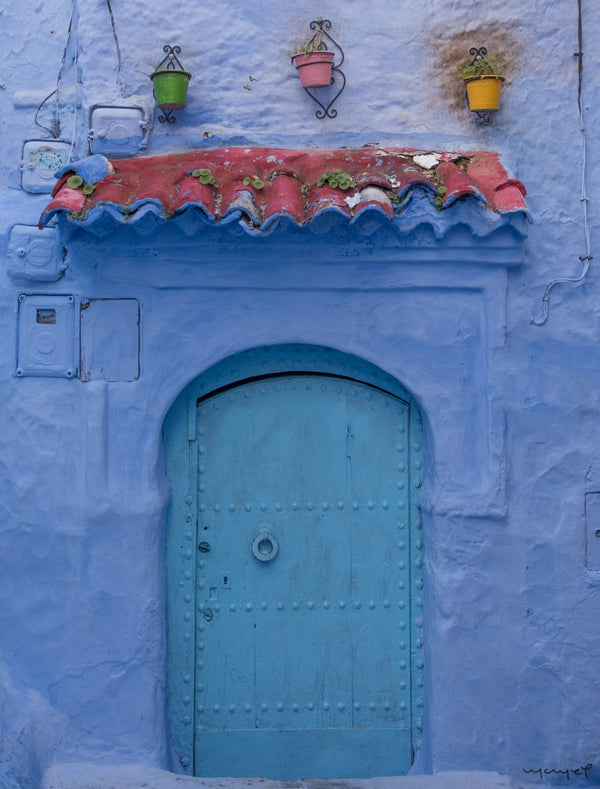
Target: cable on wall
{"type": "Point", "coordinates": [55, 129]}
{"type": "Point", "coordinates": [588, 257]}
{"type": "Point", "coordinates": [76, 70]}
{"type": "Point", "coordinates": [120, 82]}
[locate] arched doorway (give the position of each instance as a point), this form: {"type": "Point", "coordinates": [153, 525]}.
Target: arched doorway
{"type": "Point", "coordinates": [294, 568]}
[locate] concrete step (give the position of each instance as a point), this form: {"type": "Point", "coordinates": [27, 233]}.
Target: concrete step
{"type": "Point", "coordinates": [88, 776]}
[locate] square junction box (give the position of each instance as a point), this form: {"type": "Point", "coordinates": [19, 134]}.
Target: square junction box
{"type": "Point", "coordinates": [46, 336]}
{"type": "Point", "coordinates": [110, 339]}
{"type": "Point", "coordinates": [592, 530]}
{"type": "Point", "coordinates": [117, 131]}
{"type": "Point", "coordinates": [34, 254]}
{"type": "Point", "coordinates": [41, 160]}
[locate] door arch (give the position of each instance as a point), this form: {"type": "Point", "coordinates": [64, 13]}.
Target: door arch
{"type": "Point", "coordinates": [294, 554]}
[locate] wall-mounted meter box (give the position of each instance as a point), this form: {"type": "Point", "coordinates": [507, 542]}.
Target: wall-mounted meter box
{"type": "Point", "coordinates": [46, 336]}
{"type": "Point", "coordinates": [35, 254]}
{"type": "Point", "coordinates": [110, 339]}
{"type": "Point", "coordinates": [118, 131]}
{"type": "Point", "coordinates": [41, 160]}
{"type": "Point", "coordinates": [592, 522]}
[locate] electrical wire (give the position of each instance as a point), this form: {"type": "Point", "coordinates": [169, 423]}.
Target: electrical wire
{"type": "Point", "coordinates": [55, 130]}
{"type": "Point", "coordinates": [76, 70]}
{"type": "Point", "coordinates": [120, 82]}
{"type": "Point", "coordinates": [588, 257]}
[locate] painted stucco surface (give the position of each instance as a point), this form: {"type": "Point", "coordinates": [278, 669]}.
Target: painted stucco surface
{"type": "Point", "coordinates": [510, 408]}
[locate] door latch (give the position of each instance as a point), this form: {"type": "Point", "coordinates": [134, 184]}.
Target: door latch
{"type": "Point", "coordinates": [204, 547]}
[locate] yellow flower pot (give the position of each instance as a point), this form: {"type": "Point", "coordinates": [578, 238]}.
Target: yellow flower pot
{"type": "Point", "coordinates": [483, 93]}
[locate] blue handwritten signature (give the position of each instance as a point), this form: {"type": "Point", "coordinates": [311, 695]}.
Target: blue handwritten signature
{"type": "Point", "coordinates": [542, 771]}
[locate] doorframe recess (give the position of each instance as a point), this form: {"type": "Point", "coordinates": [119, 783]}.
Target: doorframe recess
{"type": "Point", "coordinates": [179, 436]}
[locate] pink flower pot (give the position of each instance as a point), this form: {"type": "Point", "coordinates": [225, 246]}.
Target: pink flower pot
{"type": "Point", "coordinates": [314, 69]}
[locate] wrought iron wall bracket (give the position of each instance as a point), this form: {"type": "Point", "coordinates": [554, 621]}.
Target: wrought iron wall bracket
{"type": "Point", "coordinates": [321, 26]}
{"type": "Point", "coordinates": [480, 117]}
{"type": "Point", "coordinates": [167, 116]}
{"type": "Point", "coordinates": [170, 59]}
{"type": "Point", "coordinates": [170, 63]}
{"type": "Point", "coordinates": [478, 53]}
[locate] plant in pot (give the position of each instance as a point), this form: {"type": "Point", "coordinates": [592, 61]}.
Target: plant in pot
{"type": "Point", "coordinates": [314, 62]}
{"type": "Point", "coordinates": [170, 82]}
{"type": "Point", "coordinates": [483, 78]}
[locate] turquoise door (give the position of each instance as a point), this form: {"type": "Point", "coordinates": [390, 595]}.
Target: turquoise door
{"type": "Point", "coordinates": [305, 658]}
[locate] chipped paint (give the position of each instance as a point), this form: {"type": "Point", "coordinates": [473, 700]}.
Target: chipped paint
{"type": "Point", "coordinates": [441, 299]}
{"type": "Point", "coordinates": [291, 188]}
{"type": "Point", "coordinates": [426, 160]}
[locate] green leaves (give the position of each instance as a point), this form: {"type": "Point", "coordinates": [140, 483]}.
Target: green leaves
{"type": "Point", "coordinates": [253, 180]}
{"type": "Point", "coordinates": [484, 66]}
{"type": "Point", "coordinates": [337, 179]}
{"type": "Point", "coordinates": [313, 44]}
{"type": "Point", "coordinates": [205, 176]}
{"type": "Point", "coordinates": [439, 198]}
{"type": "Point", "coordinates": [76, 181]}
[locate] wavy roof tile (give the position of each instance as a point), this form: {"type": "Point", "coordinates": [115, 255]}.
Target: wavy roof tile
{"type": "Point", "coordinates": [389, 182]}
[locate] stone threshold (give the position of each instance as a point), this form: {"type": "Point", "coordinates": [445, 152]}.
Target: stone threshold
{"type": "Point", "coordinates": [91, 776]}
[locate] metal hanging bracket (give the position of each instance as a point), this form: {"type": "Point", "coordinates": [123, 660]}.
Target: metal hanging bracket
{"type": "Point", "coordinates": [175, 90]}
{"type": "Point", "coordinates": [170, 59]}
{"type": "Point", "coordinates": [321, 26]}
{"type": "Point", "coordinates": [480, 117]}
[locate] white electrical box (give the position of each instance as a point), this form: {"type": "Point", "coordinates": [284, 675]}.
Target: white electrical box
{"type": "Point", "coordinates": [46, 336]}
{"type": "Point", "coordinates": [34, 254]}
{"type": "Point", "coordinates": [592, 531]}
{"type": "Point", "coordinates": [41, 160]}
{"type": "Point", "coordinates": [110, 339]}
{"type": "Point", "coordinates": [117, 131]}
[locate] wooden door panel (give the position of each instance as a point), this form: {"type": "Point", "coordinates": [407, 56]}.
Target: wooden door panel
{"type": "Point", "coordinates": [306, 656]}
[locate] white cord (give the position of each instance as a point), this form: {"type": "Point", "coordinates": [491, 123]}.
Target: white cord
{"type": "Point", "coordinates": [75, 19]}
{"type": "Point", "coordinates": [588, 257]}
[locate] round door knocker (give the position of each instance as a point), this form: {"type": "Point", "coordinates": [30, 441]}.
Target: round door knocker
{"type": "Point", "coordinates": [265, 546]}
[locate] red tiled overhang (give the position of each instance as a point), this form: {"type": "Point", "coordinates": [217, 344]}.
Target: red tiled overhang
{"type": "Point", "coordinates": [385, 180]}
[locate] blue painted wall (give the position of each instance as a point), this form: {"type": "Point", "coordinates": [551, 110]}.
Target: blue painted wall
{"type": "Point", "coordinates": [511, 409]}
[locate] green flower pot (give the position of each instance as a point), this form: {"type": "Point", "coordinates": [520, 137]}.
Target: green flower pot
{"type": "Point", "coordinates": [170, 88]}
